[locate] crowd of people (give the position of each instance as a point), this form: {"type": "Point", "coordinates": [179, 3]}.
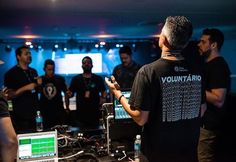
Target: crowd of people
{"type": "Point", "coordinates": [179, 105]}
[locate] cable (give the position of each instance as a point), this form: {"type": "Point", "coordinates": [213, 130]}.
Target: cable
{"type": "Point", "coordinates": [67, 140]}
{"type": "Point", "coordinates": [119, 159]}
{"type": "Point", "coordinates": [67, 157]}
{"type": "Point", "coordinates": [131, 160]}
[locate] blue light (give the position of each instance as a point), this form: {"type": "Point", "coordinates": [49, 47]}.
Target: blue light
{"type": "Point", "coordinates": [56, 45]}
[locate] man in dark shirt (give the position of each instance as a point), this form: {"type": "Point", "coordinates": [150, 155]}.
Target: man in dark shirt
{"type": "Point", "coordinates": [167, 98]}
{"type": "Point", "coordinates": [8, 141]}
{"type": "Point", "coordinates": [51, 102]}
{"type": "Point", "coordinates": [21, 82]}
{"type": "Point", "coordinates": [126, 71]}
{"type": "Point", "coordinates": [217, 83]}
{"type": "Point", "coordinates": [90, 94]}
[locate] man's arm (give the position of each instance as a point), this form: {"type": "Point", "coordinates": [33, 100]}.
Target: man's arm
{"type": "Point", "coordinates": [139, 116]}
{"type": "Point", "coordinates": [216, 96]}
{"type": "Point", "coordinates": [15, 93]}
{"type": "Point", "coordinates": [103, 97]}
{"type": "Point", "coordinates": [67, 99]}
{"type": "Point", "coordinates": [8, 140]}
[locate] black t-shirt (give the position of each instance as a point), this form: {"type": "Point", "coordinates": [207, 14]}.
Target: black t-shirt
{"type": "Point", "coordinates": [217, 75]}
{"type": "Point", "coordinates": [125, 75]}
{"type": "Point", "coordinates": [87, 97]}
{"type": "Point", "coordinates": [25, 105]}
{"type": "Point", "coordinates": [51, 94]}
{"type": "Point", "coordinates": [3, 106]}
{"type": "Point", "coordinates": [172, 92]}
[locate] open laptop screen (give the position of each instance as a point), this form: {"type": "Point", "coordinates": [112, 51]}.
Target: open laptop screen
{"type": "Point", "coordinates": [36, 146]}
{"type": "Point", "coordinates": [119, 111]}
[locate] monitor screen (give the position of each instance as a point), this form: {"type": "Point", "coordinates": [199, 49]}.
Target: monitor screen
{"type": "Point", "coordinates": [72, 63]}
{"type": "Point", "coordinates": [119, 111]}
{"type": "Point", "coordinates": [37, 145]}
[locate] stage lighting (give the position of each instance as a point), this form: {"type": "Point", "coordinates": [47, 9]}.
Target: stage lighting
{"type": "Point", "coordinates": [56, 46]}
{"type": "Point", "coordinates": [96, 45]}
{"type": "Point", "coordinates": [8, 48]}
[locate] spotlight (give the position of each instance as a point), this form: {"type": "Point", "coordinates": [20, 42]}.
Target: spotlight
{"type": "Point", "coordinates": [102, 43]}
{"type": "Point", "coordinates": [96, 45]}
{"type": "Point", "coordinates": [56, 46]}
{"type": "Point", "coordinates": [28, 43]}
{"type": "Point", "coordinates": [64, 49]}
{"type": "Point", "coordinates": [38, 48]}
{"type": "Point", "coordinates": [8, 48]}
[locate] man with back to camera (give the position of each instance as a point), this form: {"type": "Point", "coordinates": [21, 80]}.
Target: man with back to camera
{"type": "Point", "coordinates": [51, 102]}
{"type": "Point", "coordinates": [21, 82]}
{"type": "Point", "coordinates": [8, 141]}
{"type": "Point", "coordinates": [126, 71]}
{"type": "Point", "coordinates": [90, 94]}
{"type": "Point", "coordinates": [217, 84]}
{"type": "Point", "coordinates": [167, 98]}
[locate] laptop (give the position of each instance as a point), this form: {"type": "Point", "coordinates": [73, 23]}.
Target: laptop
{"type": "Point", "coordinates": [37, 147]}
{"type": "Point", "coordinates": [119, 113]}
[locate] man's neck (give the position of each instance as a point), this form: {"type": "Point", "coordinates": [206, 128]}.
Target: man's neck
{"type": "Point", "coordinates": [49, 76]}
{"type": "Point", "coordinates": [171, 54]}
{"type": "Point", "coordinates": [23, 66]}
{"type": "Point", "coordinates": [87, 75]}
{"type": "Point", "coordinates": [130, 64]}
{"type": "Point", "coordinates": [213, 55]}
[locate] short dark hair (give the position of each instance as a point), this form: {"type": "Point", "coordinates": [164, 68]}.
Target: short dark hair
{"type": "Point", "coordinates": [18, 51]}
{"type": "Point", "coordinates": [49, 62]}
{"type": "Point", "coordinates": [87, 57]}
{"type": "Point", "coordinates": [215, 36]}
{"type": "Point", "coordinates": [178, 30]}
{"type": "Point", "coordinates": [125, 49]}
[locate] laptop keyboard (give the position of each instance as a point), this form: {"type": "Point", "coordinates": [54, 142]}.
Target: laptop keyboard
{"type": "Point", "coordinates": [49, 160]}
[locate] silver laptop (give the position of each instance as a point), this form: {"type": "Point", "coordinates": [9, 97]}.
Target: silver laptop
{"type": "Point", "coordinates": [37, 147]}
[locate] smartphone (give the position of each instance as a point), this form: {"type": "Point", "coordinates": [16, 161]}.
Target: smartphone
{"type": "Point", "coordinates": [117, 86]}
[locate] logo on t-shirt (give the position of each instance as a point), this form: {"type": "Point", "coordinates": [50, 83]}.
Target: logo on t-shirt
{"type": "Point", "coordinates": [180, 69]}
{"type": "Point", "coordinates": [49, 91]}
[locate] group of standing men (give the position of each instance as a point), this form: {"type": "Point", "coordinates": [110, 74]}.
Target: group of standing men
{"type": "Point", "coordinates": [168, 96]}
{"type": "Point", "coordinates": [23, 86]}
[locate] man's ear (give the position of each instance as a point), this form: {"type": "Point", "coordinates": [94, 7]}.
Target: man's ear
{"type": "Point", "coordinates": [17, 57]}
{"type": "Point", "coordinates": [164, 41]}
{"type": "Point", "coordinates": [161, 40]}
{"type": "Point", "coordinates": [214, 45]}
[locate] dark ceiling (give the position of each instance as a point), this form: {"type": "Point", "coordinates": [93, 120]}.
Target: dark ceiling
{"type": "Point", "coordinates": [81, 19]}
